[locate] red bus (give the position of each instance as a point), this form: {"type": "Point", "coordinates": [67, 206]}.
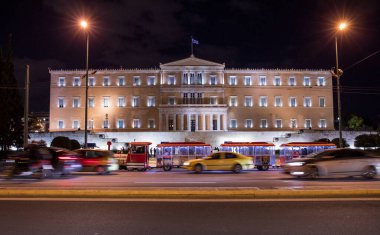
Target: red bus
{"type": "Point", "coordinates": [174, 154]}
{"type": "Point", "coordinates": [262, 153]}
{"type": "Point", "coordinates": [301, 149]}
{"type": "Point", "coordinates": [137, 157]}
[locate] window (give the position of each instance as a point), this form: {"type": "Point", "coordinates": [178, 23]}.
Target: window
{"type": "Point", "coordinates": [151, 101]}
{"type": "Point", "coordinates": [90, 124]}
{"type": "Point", "coordinates": [76, 125]}
{"type": "Point", "coordinates": [277, 101]}
{"type": "Point", "coordinates": [61, 81]}
{"type": "Point", "coordinates": [199, 98]}
{"type": "Point", "coordinates": [171, 80]}
{"type": "Point", "coordinates": [135, 101]}
{"type": "Point", "coordinates": [308, 123]}
{"type": "Point", "coordinates": [76, 102]}
{"type": "Point", "coordinates": [106, 81]}
{"type": "Point", "coordinates": [199, 79]}
{"type": "Point", "coordinates": [120, 123]}
{"type": "Point", "coordinates": [91, 81]}
{"type": "Point", "coordinates": [192, 78]}
{"type": "Point", "coordinates": [321, 81]}
{"type": "Point", "coordinates": [185, 99]}
{"type": "Point", "coordinates": [233, 123]}
{"type": "Point", "coordinates": [233, 81]}
{"type": "Point", "coordinates": [151, 123]}
{"type": "Point", "coordinates": [307, 102]}
{"type": "Point", "coordinates": [293, 102]}
{"type": "Point", "coordinates": [248, 123]}
{"type": "Point", "coordinates": [233, 101]}
{"type": "Point", "coordinates": [277, 81]}
{"type": "Point", "coordinates": [136, 123]}
{"type": "Point", "coordinates": [248, 81]}
{"type": "Point", "coordinates": [212, 80]}
{"type": "Point", "coordinates": [151, 81]}
{"type": "Point", "coordinates": [262, 81]}
{"type": "Point", "coordinates": [121, 101]}
{"type": "Point", "coordinates": [322, 102]}
{"type": "Point", "coordinates": [106, 123]}
{"type": "Point", "coordinates": [171, 100]}
{"type": "Point", "coordinates": [91, 102]}
{"type": "Point", "coordinates": [322, 123]}
{"type": "Point", "coordinates": [61, 124]}
{"type": "Point", "coordinates": [263, 123]}
{"type": "Point", "coordinates": [136, 81]}
{"type": "Point", "coordinates": [278, 123]}
{"type": "Point", "coordinates": [213, 100]}
{"type": "Point", "coordinates": [185, 78]}
{"type": "Point", "coordinates": [106, 101]}
{"type": "Point", "coordinates": [263, 101]}
{"type": "Point", "coordinates": [292, 81]}
{"type": "Point", "coordinates": [76, 81]}
{"type": "Point", "coordinates": [121, 81]}
{"type": "Point", "coordinates": [293, 123]}
{"type": "Point", "coordinates": [306, 81]}
{"type": "Point", "coordinates": [248, 101]}
{"type": "Point", "coordinates": [61, 102]}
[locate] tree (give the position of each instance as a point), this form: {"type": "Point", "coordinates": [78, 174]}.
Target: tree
{"type": "Point", "coordinates": [336, 142]}
{"type": "Point", "coordinates": [355, 123]}
{"type": "Point", "coordinates": [367, 141]}
{"type": "Point", "coordinates": [61, 142]}
{"type": "Point", "coordinates": [11, 126]}
{"type": "Point", "coordinates": [74, 144]}
{"type": "Point", "coordinates": [323, 140]}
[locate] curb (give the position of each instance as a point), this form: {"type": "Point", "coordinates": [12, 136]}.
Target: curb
{"type": "Point", "coordinates": [188, 193]}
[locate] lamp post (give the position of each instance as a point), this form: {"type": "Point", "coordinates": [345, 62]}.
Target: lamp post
{"type": "Point", "coordinates": [84, 25]}
{"type": "Point", "coordinates": [338, 73]}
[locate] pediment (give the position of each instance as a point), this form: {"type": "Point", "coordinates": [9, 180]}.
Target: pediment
{"type": "Point", "coordinates": [191, 61]}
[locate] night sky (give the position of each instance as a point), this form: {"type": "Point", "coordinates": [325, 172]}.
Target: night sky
{"type": "Point", "coordinates": [242, 34]}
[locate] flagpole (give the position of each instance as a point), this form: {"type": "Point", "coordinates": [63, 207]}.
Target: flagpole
{"type": "Point", "coordinates": [191, 42]}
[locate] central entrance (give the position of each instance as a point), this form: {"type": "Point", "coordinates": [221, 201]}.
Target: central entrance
{"type": "Point", "coordinates": [192, 124]}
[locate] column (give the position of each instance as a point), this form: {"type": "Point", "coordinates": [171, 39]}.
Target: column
{"type": "Point", "coordinates": [218, 121]}
{"type": "Point", "coordinates": [174, 122]}
{"type": "Point", "coordinates": [210, 121]}
{"type": "Point", "coordinates": [204, 122]}
{"type": "Point", "coordinates": [167, 121]}
{"type": "Point", "coordinates": [181, 122]}
{"type": "Point", "coordinates": [225, 122]}
{"type": "Point", "coordinates": [189, 122]}
{"type": "Point", "coordinates": [196, 122]}
{"type": "Point", "coordinates": [160, 121]}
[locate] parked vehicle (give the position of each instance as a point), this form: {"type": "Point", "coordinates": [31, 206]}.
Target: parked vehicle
{"type": "Point", "coordinates": [35, 161]}
{"type": "Point", "coordinates": [97, 160]}
{"type": "Point", "coordinates": [135, 157]}
{"type": "Point", "coordinates": [261, 153]}
{"type": "Point", "coordinates": [333, 163]}
{"type": "Point", "coordinates": [174, 154]}
{"type": "Point", "coordinates": [224, 161]}
{"type": "Point", "coordinates": [65, 161]}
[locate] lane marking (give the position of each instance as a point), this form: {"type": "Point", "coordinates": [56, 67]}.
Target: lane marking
{"type": "Point", "coordinates": [172, 182]}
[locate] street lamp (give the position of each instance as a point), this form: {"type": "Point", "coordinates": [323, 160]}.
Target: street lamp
{"type": "Point", "coordinates": [338, 73]}
{"type": "Point", "coordinates": [84, 25]}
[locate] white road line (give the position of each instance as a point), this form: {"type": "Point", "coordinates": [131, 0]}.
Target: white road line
{"type": "Point", "coordinates": [172, 182]}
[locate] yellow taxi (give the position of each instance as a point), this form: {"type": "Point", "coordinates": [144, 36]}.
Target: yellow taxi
{"type": "Point", "coordinates": [220, 161]}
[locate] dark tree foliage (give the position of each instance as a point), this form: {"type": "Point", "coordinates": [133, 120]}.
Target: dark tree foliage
{"type": "Point", "coordinates": [323, 140]}
{"type": "Point", "coordinates": [367, 141]}
{"type": "Point", "coordinates": [61, 142]}
{"type": "Point", "coordinates": [336, 142]}
{"type": "Point", "coordinates": [74, 144]}
{"type": "Point", "coordinates": [11, 106]}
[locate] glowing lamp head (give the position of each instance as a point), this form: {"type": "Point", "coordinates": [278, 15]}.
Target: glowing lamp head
{"type": "Point", "coordinates": [83, 24]}
{"type": "Point", "coordinates": [342, 26]}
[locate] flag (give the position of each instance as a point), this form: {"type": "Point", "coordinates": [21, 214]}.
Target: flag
{"type": "Point", "coordinates": [193, 41]}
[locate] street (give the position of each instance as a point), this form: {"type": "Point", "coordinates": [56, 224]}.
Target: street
{"type": "Point", "coordinates": [189, 217]}
{"type": "Point", "coordinates": [272, 179]}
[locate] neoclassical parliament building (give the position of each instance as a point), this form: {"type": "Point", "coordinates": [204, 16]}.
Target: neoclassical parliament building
{"type": "Point", "coordinates": [192, 95]}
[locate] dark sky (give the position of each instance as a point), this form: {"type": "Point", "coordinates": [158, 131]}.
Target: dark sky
{"type": "Point", "coordinates": [243, 34]}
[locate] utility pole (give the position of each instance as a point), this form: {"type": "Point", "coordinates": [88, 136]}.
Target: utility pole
{"type": "Point", "coordinates": [26, 107]}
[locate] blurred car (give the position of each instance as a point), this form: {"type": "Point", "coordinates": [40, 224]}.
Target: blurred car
{"type": "Point", "coordinates": [335, 162]}
{"type": "Point", "coordinates": [225, 161]}
{"type": "Point", "coordinates": [65, 161]}
{"type": "Point", "coordinates": [97, 160]}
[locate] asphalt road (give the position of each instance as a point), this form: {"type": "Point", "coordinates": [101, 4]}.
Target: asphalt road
{"type": "Point", "coordinates": [189, 217]}
{"type": "Point", "coordinates": [272, 179]}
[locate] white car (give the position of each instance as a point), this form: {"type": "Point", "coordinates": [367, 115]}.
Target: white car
{"type": "Point", "coordinates": [335, 163]}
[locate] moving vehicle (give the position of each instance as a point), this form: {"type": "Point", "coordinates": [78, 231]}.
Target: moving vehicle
{"type": "Point", "coordinates": [98, 160]}
{"type": "Point", "coordinates": [224, 161]}
{"type": "Point", "coordinates": [64, 161]}
{"type": "Point", "coordinates": [174, 154]}
{"type": "Point", "coordinates": [293, 150]}
{"type": "Point", "coordinates": [335, 162]}
{"type": "Point", "coordinates": [35, 161]}
{"type": "Point", "coordinates": [262, 153]}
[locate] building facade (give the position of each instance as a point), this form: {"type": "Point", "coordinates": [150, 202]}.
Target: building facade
{"type": "Point", "coordinates": [192, 95]}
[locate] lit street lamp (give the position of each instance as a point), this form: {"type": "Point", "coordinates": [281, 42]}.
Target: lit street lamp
{"type": "Point", "coordinates": [84, 25]}
{"type": "Point", "coordinates": [338, 73]}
